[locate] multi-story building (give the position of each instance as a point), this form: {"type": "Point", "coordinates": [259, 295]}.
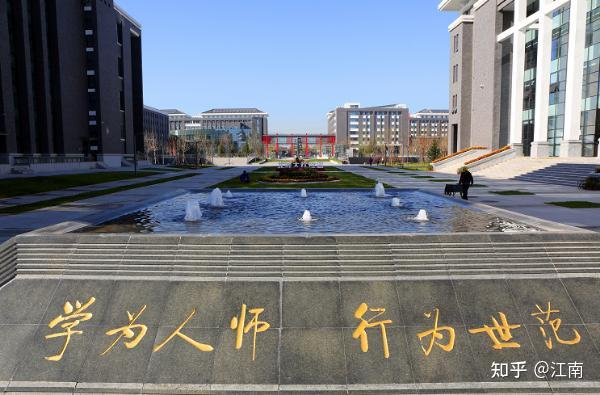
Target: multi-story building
{"type": "Point", "coordinates": [70, 82]}
{"type": "Point", "coordinates": [240, 122]}
{"type": "Point", "coordinates": [426, 127]}
{"type": "Point", "coordinates": [177, 119]}
{"type": "Point", "coordinates": [156, 126]}
{"type": "Point", "coordinates": [429, 123]}
{"type": "Point", "coordinates": [355, 126]}
{"type": "Point", "coordinates": [525, 73]}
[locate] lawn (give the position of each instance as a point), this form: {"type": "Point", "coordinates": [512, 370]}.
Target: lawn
{"type": "Point", "coordinates": [10, 187]}
{"type": "Point", "coordinates": [346, 180]}
{"type": "Point", "coordinates": [416, 166]}
{"type": "Point", "coordinates": [86, 195]}
{"type": "Point", "coordinates": [422, 176]}
{"type": "Point", "coordinates": [511, 193]}
{"type": "Point", "coordinates": [576, 204]}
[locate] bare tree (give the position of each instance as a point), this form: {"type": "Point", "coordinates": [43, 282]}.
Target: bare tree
{"type": "Point", "coordinates": [255, 143]}
{"type": "Point", "coordinates": [181, 148]}
{"type": "Point", "coordinates": [150, 146]}
{"type": "Point", "coordinates": [226, 143]}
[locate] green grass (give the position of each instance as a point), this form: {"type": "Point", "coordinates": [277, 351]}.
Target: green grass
{"type": "Point", "coordinates": [86, 195]}
{"type": "Point", "coordinates": [422, 177]}
{"type": "Point", "coordinates": [511, 193]}
{"type": "Point", "coordinates": [478, 186]}
{"type": "Point", "coordinates": [346, 180]}
{"type": "Point", "coordinates": [444, 180]}
{"type": "Point", "coordinates": [576, 204]}
{"type": "Point", "coordinates": [416, 166]}
{"type": "Point", "coordinates": [10, 187]}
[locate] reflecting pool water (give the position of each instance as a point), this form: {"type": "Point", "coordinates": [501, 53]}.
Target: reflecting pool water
{"type": "Point", "coordinates": [340, 212]}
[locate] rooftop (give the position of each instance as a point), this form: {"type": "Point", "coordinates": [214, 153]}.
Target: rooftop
{"type": "Point", "coordinates": [173, 111]}
{"type": "Point", "coordinates": [234, 111]}
{"type": "Point", "coordinates": [453, 5]}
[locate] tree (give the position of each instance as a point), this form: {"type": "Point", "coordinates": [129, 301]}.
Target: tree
{"type": "Point", "coordinates": [434, 151]}
{"type": "Point", "coordinates": [182, 146]}
{"type": "Point", "coordinates": [226, 144]}
{"type": "Point", "coordinates": [150, 146]}
{"type": "Point", "coordinates": [255, 145]}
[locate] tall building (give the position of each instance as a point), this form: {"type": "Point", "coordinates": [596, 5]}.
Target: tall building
{"type": "Point", "coordinates": [525, 73]}
{"type": "Point", "coordinates": [70, 82]}
{"type": "Point", "coordinates": [355, 126]}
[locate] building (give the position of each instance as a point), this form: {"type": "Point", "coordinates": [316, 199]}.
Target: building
{"type": "Point", "coordinates": [70, 83]}
{"type": "Point", "coordinates": [240, 122]}
{"type": "Point", "coordinates": [427, 126]}
{"type": "Point", "coordinates": [524, 73]}
{"type": "Point", "coordinates": [177, 119]}
{"type": "Point", "coordinates": [156, 127]}
{"type": "Point", "coordinates": [429, 123]}
{"type": "Point", "coordinates": [355, 126]}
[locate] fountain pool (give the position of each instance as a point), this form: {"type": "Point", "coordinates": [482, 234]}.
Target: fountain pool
{"type": "Point", "coordinates": [338, 212]}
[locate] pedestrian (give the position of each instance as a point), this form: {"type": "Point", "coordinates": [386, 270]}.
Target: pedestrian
{"type": "Point", "coordinates": [465, 180]}
{"type": "Point", "coordinates": [370, 161]}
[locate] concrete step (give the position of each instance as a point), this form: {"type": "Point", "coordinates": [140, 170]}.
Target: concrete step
{"type": "Point", "coordinates": [454, 256]}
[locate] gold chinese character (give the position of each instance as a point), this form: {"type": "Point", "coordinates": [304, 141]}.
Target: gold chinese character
{"type": "Point", "coordinates": [128, 333]}
{"type": "Point", "coordinates": [177, 332]}
{"type": "Point", "coordinates": [501, 329]}
{"type": "Point", "coordinates": [361, 332]}
{"type": "Point", "coordinates": [543, 316]}
{"type": "Point", "coordinates": [73, 317]}
{"type": "Point", "coordinates": [436, 335]}
{"type": "Point", "coordinates": [258, 326]}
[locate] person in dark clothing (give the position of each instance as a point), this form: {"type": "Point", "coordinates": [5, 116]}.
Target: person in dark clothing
{"type": "Point", "coordinates": [245, 177]}
{"type": "Point", "coordinates": [465, 180]}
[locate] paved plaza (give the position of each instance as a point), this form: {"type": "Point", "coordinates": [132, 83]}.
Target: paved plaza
{"type": "Point", "coordinates": [354, 314]}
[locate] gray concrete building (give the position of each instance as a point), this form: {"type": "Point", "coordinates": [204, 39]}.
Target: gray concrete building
{"type": "Point", "coordinates": [524, 73]}
{"type": "Point", "coordinates": [70, 83]}
{"type": "Point", "coordinates": [355, 126]}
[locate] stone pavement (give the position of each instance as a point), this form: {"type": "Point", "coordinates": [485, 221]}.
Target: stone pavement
{"type": "Point", "coordinates": [530, 205]}
{"type": "Point", "coordinates": [38, 197]}
{"type": "Point", "coordinates": [310, 344]}
{"type": "Point", "coordinates": [102, 208]}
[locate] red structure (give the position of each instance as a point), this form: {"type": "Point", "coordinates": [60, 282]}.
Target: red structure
{"type": "Point", "coordinates": [289, 145]}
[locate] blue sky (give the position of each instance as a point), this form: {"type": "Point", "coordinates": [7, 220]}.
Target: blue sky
{"type": "Point", "coordinates": [295, 59]}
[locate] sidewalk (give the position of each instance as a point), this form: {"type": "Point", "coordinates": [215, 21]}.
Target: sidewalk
{"type": "Point", "coordinates": [102, 208]}
{"type": "Point", "coordinates": [532, 205]}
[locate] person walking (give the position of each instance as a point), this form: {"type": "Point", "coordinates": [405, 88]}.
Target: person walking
{"type": "Point", "coordinates": [465, 180]}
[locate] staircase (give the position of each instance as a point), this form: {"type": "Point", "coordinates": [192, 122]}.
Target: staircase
{"type": "Point", "coordinates": [401, 257]}
{"type": "Point", "coordinates": [567, 174]}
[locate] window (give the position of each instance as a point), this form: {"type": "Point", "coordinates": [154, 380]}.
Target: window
{"type": "Point", "coordinates": [454, 103]}
{"type": "Point", "coordinates": [455, 73]}
{"type": "Point", "coordinates": [456, 43]}
{"type": "Point", "coordinates": [120, 32]}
